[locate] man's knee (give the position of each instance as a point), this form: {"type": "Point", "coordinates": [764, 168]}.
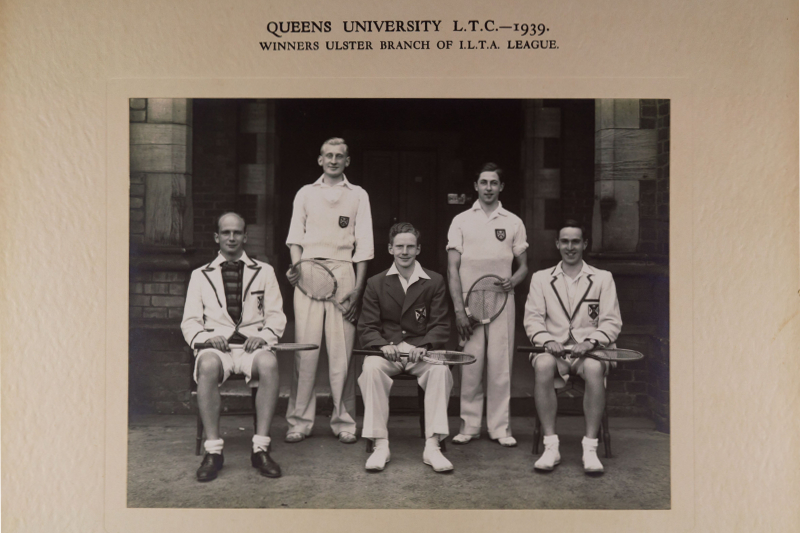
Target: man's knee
{"type": "Point", "coordinates": [593, 370]}
{"type": "Point", "coordinates": [209, 365]}
{"type": "Point", "coordinates": [545, 367]}
{"type": "Point", "coordinates": [265, 363]}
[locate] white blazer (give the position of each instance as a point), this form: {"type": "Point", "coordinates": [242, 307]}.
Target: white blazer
{"type": "Point", "coordinates": [596, 315]}
{"type": "Point", "coordinates": [206, 312]}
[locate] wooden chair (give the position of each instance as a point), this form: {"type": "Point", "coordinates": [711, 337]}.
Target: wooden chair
{"type": "Point", "coordinates": [576, 385]}
{"type": "Point", "coordinates": [234, 388]}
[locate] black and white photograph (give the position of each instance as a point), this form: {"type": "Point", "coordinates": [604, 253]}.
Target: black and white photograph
{"type": "Point", "coordinates": [399, 303]}
{"type": "Point", "coordinates": [355, 266]}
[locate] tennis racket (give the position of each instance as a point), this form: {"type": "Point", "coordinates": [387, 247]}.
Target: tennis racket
{"type": "Point", "coordinates": [486, 299]}
{"type": "Point", "coordinates": [435, 357]}
{"type": "Point", "coordinates": [282, 347]}
{"type": "Point", "coordinates": [601, 354]}
{"type": "Point", "coordinates": [317, 282]}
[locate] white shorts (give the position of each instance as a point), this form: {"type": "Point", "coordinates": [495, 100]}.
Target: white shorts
{"type": "Point", "coordinates": [567, 366]}
{"type": "Point", "coordinates": [237, 361]}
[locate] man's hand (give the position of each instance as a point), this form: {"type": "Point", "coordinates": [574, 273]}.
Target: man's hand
{"type": "Point", "coordinates": [416, 354]}
{"type": "Point", "coordinates": [219, 343]}
{"type": "Point", "coordinates": [254, 343]}
{"type": "Point", "coordinates": [464, 326]}
{"type": "Point", "coordinates": [391, 352]}
{"type": "Point", "coordinates": [350, 304]}
{"type": "Point", "coordinates": [293, 275]}
{"type": "Point", "coordinates": [582, 348]}
{"type": "Point", "coordinates": [554, 348]}
{"type": "Point", "coordinates": [507, 285]}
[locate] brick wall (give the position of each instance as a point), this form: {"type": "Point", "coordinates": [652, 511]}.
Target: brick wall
{"type": "Point", "coordinates": [157, 294]}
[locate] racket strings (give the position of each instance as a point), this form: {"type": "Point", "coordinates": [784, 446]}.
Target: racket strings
{"type": "Point", "coordinates": [316, 281]}
{"type": "Point", "coordinates": [486, 298]}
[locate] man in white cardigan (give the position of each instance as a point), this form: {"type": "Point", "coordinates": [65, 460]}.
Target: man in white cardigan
{"type": "Point", "coordinates": [234, 304]}
{"type": "Point", "coordinates": [332, 223]}
{"type": "Point", "coordinates": [572, 305]}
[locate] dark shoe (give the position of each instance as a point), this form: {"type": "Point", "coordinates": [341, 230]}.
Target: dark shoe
{"type": "Point", "coordinates": [266, 466]}
{"type": "Point", "coordinates": [212, 463]}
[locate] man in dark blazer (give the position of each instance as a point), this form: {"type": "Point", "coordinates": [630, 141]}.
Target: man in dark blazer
{"type": "Point", "coordinates": [404, 311]}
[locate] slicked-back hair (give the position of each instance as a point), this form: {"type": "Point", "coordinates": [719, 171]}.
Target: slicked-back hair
{"type": "Point", "coordinates": [403, 227]}
{"type": "Point", "coordinates": [223, 215]}
{"type": "Point", "coordinates": [336, 141]}
{"type": "Point", "coordinates": [490, 167]}
{"type": "Point", "coordinates": [572, 223]}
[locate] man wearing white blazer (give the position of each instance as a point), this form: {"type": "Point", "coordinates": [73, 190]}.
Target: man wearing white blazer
{"type": "Point", "coordinates": [572, 305]}
{"type": "Point", "coordinates": [234, 304]}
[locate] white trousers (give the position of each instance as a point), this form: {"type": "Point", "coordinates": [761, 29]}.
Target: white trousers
{"type": "Point", "coordinates": [312, 317]}
{"type": "Point", "coordinates": [376, 384]}
{"type": "Point", "coordinates": [493, 346]}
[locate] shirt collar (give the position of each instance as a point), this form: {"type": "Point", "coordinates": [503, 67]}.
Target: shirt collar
{"type": "Point", "coordinates": [417, 274]}
{"type": "Point", "coordinates": [343, 183]}
{"type": "Point", "coordinates": [221, 259]}
{"type": "Point", "coordinates": [585, 269]}
{"type": "Point", "coordinates": [497, 212]}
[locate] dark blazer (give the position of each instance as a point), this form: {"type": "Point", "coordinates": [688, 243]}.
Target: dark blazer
{"type": "Point", "coordinates": [389, 316]}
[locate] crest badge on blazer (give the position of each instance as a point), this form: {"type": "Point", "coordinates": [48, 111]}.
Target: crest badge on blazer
{"type": "Point", "coordinates": [421, 314]}
{"type": "Point", "coordinates": [260, 304]}
{"type": "Point", "coordinates": [500, 234]}
{"type": "Point", "coordinates": [344, 222]}
{"type": "Point", "coordinates": [594, 312]}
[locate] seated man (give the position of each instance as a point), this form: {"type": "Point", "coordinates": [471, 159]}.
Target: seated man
{"type": "Point", "coordinates": [234, 300]}
{"type": "Point", "coordinates": [405, 311]}
{"type": "Point", "coordinates": [571, 306]}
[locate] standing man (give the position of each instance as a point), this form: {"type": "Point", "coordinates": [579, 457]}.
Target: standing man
{"type": "Point", "coordinates": [405, 311]}
{"type": "Point", "coordinates": [486, 239]}
{"type": "Point", "coordinates": [331, 222]}
{"type": "Point", "coordinates": [234, 300]}
{"type": "Point", "coordinates": [572, 305]}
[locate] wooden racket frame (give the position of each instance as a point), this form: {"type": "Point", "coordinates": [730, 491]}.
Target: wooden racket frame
{"type": "Point", "coordinates": [332, 297]}
{"type": "Point", "coordinates": [425, 357]}
{"type": "Point", "coordinates": [541, 349]}
{"type": "Point", "coordinates": [466, 301]}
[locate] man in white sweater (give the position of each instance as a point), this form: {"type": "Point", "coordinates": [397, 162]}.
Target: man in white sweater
{"type": "Point", "coordinates": [331, 222]}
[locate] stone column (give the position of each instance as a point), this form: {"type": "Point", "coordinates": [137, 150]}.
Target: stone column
{"type": "Point", "coordinates": [161, 171]}
{"type": "Point", "coordinates": [257, 177]}
{"type": "Point", "coordinates": [626, 161]}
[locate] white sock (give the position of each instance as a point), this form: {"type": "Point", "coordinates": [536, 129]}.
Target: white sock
{"type": "Point", "coordinates": [213, 446]}
{"type": "Point", "coordinates": [588, 441]}
{"type": "Point", "coordinates": [260, 443]}
{"type": "Point", "coordinates": [550, 439]}
{"type": "Point", "coordinates": [432, 442]}
{"type": "Point", "coordinates": [381, 443]}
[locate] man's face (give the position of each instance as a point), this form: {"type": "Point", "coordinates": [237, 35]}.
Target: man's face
{"type": "Point", "coordinates": [571, 244]}
{"type": "Point", "coordinates": [488, 186]}
{"type": "Point", "coordinates": [334, 159]}
{"type": "Point", "coordinates": [405, 249]}
{"type": "Point", "coordinates": [231, 236]}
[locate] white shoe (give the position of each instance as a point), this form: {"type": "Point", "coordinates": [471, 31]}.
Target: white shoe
{"type": "Point", "coordinates": [464, 439]}
{"type": "Point", "coordinates": [433, 457]}
{"type": "Point", "coordinates": [508, 442]}
{"type": "Point", "coordinates": [378, 459]}
{"type": "Point", "coordinates": [550, 458]}
{"type": "Point", "coordinates": [591, 463]}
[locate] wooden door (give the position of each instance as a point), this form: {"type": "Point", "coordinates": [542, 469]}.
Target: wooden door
{"type": "Point", "coordinates": [401, 188]}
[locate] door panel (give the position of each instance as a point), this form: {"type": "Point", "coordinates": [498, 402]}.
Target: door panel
{"type": "Point", "coordinates": [401, 189]}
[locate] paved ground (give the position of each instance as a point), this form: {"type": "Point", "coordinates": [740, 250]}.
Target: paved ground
{"type": "Point", "coordinates": [321, 473]}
